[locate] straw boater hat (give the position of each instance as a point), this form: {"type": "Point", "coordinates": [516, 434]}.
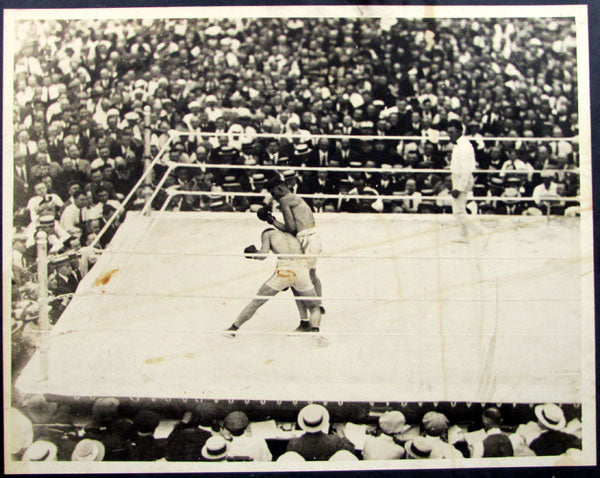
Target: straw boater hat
{"type": "Point", "coordinates": [88, 450]}
{"type": "Point", "coordinates": [215, 448]}
{"type": "Point", "coordinates": [314, 418]}
{"type": "Point", "coordinates": [551, 416]}
{"type": "Point", "coordinates": [41, 450]}
{"type": "Point", "coordinates": [419, 448]}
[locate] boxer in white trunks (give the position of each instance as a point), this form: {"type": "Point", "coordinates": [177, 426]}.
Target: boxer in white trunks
{"type": "Point", "coordinates": [289, 272]}
{"type": "Point", "coordinates": [300, 221]}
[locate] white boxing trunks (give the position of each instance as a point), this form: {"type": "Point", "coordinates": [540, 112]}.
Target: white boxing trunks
{"type": "Point", "coordinates": [311, 244]}
{"type": "Point", "coordinates": [291, 273]}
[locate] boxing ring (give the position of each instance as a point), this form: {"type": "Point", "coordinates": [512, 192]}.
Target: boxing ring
{"type": "Point", "coordinates": [410, 315]}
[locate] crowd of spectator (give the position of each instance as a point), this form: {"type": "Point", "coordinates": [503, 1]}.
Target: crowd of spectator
{"type": "Point", "coordinates": [89, 93]}
{"type": "Point", "coordinates": [117, 431]}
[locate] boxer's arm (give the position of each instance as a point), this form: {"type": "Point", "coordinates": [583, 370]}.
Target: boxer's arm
{"type": "Point", "coordinates": [288, 217]}
{"type": "Point", "coordinates": [265, 246]}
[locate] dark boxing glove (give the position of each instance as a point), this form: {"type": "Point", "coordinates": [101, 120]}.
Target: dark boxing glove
{"type": "Point", "coordinates": [265, 215]}
{"type": "Point", "coordinates": [250, 250]}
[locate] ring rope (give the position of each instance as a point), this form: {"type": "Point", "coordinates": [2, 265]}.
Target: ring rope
{"type": "Point", "coordinates": [174, 133]}
{"type": "Point", "coordinates": [361, 169]}
{"type": "Point", "coordinates": [335, 256]}
{"type": "Point", "coordinates": [308, 298]}
{"type": "Point", "coordinates": [283, 333]}
{"type": "Point", "coordinates": [179, 192]}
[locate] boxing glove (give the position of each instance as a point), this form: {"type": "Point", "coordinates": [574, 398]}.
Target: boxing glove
{"type": "Point", "coordinates": [265, 215]}
{"type": "Point", "coordinates": [250, 250]}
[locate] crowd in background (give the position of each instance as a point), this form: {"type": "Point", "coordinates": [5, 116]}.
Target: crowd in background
{"type": "Point", "coordinates": [115, 430]}
{"type": "Point", "coordinates": [86, 92]}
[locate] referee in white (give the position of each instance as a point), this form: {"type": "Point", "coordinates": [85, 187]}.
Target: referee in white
{"type": "Point", "coordinates": [462, 166]}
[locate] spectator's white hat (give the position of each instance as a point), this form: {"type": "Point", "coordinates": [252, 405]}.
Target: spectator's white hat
{"type": "Point", "coordinates": [46, 220]}
{"type": "Point", "coordinates": [132, 116]}
{"type": "Point", "coordinates": [215, 448]}
{"type": "Point", "coordinates": [291, 457]}
{"type": "Point", "coordinates": [213, 31]}
{"type": "Point", "coordinates": [88, 450]}
{"type": "Point", "coordinates": [551, 416]}
{"type": "Point", "coordinates": [96, 164]}
{"type": "Point", "coordinates": [393, 422]}
{"type": "Point", "coordinates": [141, 84]}
{"type": "Point", "coordinates": [302, 148]}
{"type": "Point", "coordinates": [41, 450]}
{"type": "Point", "coordinates": [419, 448]}
{"type": "Point", "coordinates": [163, 81]}
{"type": "Point", "coordinates": [343, 455]}
{"type": "Point", "coordinates": [194, 104]}
{"type": "Point", "coordinates": [113, 112]}
{"type": "Point", "coordinates": [314, 418]}
{"type": "Point", "coordinates": [211, 99]}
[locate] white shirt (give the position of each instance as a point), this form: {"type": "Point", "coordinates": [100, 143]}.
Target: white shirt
{"type": "Point", "coordinates": [34, 203]}
{"type": "Point", "coordinates": [541, 192]}
{"type": "Point", "coordinates": [71, 217]}
{"type": "Point", "coordinates": [441, 449]}
{"type": "Point", "coordinates": [382, 447]}
{"type": "Point", "coordinates": [55, 239]}
{"type": "Point", "coordinates": [462, 165]}
{"type": "Point", "coordinates": [412, 204]}
{"type": "Point", "coordinates": [253, 447]}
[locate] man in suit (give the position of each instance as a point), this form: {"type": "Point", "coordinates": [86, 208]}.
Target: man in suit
{"type": "Point", "coordinates": [321, 157]}
{"type": "Point", "coordinates": [22, 176]}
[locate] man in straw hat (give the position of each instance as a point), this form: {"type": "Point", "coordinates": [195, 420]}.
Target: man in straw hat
{"type": "Point", "coordinates": [316, 444]}
{"type": "Point", "coordinates": [215, 449]}
{"type": "Point", "coordinates": [553, 439]}
{"type": "Point", "coordinates": [88, 450]}
{"type": "Point", "coordinates": [289, 272]}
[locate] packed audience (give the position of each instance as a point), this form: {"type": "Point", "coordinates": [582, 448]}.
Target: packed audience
{"type": "Point", "coordinates": [96, 100]}
{"type": "Point", "coordinates": [116, 431]}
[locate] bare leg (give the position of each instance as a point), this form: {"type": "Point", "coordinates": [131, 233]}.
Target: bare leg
{"type": "Point", "coordinates": [313, 307]}
{"type": "Point", "coordinates": [248, 311]}
{"type": "Point", "coordinates": [316, 282]}
{"type": "Point", "coordinates": [301, 306]}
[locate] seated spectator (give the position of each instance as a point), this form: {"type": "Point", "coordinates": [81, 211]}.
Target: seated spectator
{"type": "Point", "coordinates": [187, 439]}
{"type": "Point", "coordinates": [547, 436]}
{"type": "Point", "coordinates": [243, 446]}
{"type": "Point", "coordinates": [215, 449]}
{"type": "Point", "coordinates": [411, 205]}
{"type": "Point", "coordinates": [316, 444]}
{"type": "Point", "coordinates": [145, 447]}
{"type": "Point", "coordinates": [419, 448]}
{"type": "Point", "coordinates": [88, 450]}
{"type": "Point", "coordinates": [547, 190]}
{"type": "Point", "coordinates": [42, 197]}
{"type": "Point", "coordinates": [77, 213]}
{"type": "Point", "coordinates": [383, 446]}
{"type": "Point", "coordinates": [435, 427]}
{"type": "Point", "coordinates": [484, 443]}
{"type": "Point", "coordinates": [118, 440]}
